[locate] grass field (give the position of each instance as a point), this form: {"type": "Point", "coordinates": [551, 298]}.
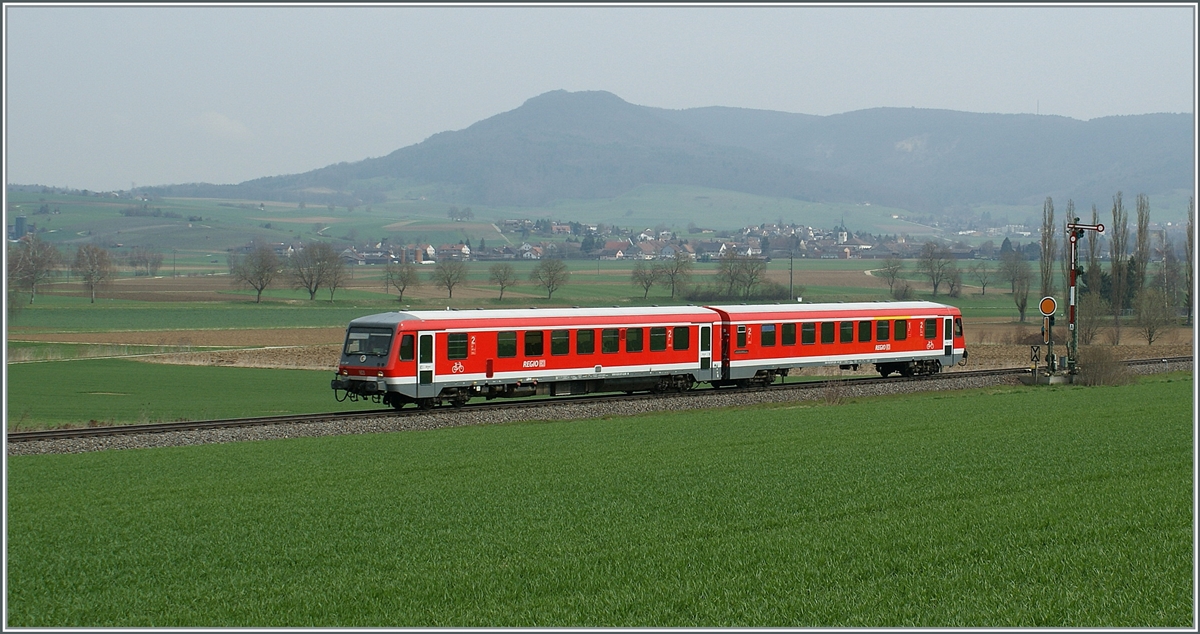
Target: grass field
{"type": "Point", "coordinates": [1008, 507]}
{"type": "Point", "coordinates": [124, 391]}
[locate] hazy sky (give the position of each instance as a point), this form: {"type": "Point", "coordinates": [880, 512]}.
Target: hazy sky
{"type": "Point", "coordinates": [102, 97]}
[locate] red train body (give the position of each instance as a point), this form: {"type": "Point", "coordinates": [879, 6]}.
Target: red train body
{"type": "Point", "coordinates": [431, 357]}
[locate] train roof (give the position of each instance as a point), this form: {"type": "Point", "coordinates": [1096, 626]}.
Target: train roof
{"type": "Point", "coordinates": [888, 307]}
{"type": "Point", "coordinates": [445, 316]}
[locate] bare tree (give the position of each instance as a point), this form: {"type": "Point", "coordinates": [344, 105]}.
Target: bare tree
{"type": "Point", "coordinates": [93, 264]}
{"type": "Point", "coordinates": [257, 269]}
{"type": "Point", "coordinates": [1011, 263]}
{"type": "Point", "coordinates": [936, 263]}
{"type": "Point", "coordinates": [401, 276]}
{"type": "Point", "coordinates": [1022, 279]}
{"type": "Point", "coordinates": [449, 273]}
{"type": "Point", "coordinates": [984, 274]}
{"type": "Point", "coordinates": [1118, 246]}
{"type": "Point", "coordinates": [645, 276]}
{"type": "Point", "coordinates": [336, 275]}
{"type": "Point", "coordinates": [1088, 315]}
{"type": "Point", "coordinates": [310, 267]}
{"type": "Point", "coordinates": [1152, 314]}
{"type": "Point", "coordinates": [1141, 251]}
{"type": "Point", "coordinates": [551, 275]}
{"type": "Point", "coordinates": [33, 262]}
{"type": "Point", "coordinates": [1093, 274]}
{"type": "Point", "coordinates": [676, 270]}
{"type": "Point", "coordinates": [144, 261]}
{"type": "Point", "coordinates": [1065, 256]}
{"type": "Point", "coordinates": [1048, 248]}
{"type": "Point", "coordinates": [890, 272]}
{"type": "Point", "coordinates": [504, 275]}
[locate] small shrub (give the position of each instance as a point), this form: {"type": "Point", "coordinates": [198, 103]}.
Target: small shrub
{"type": "Point", "coordinates": [1097, 365]}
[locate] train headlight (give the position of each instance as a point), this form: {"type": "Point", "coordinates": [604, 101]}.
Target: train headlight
{"type": "Point", "coordinates": [345, 372]}
{"type": "Point", "coordinates": [380, 373]}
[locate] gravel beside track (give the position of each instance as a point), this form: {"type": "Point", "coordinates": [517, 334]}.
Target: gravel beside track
{"type": "Point", "coordinates": [449, 417]}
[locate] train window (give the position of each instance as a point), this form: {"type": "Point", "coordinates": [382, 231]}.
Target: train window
{"type": "Point", "coordinates": [585, 341]}
{"type": "Point", "coordinates": [456, 345]}
{"type": "Point", "coordinates": [705, 339]}
{"type": "Point", "coordinates": [846, 332]}
{"type": "Point", "coordinates": [534, 343]}
{"type": "Point", "coordinates": [882, 330]}
{"type": "Point", "coordinates": [827, 332]}
{"type": "Point", "coordinates": [808, 333]}
{"type": "Point", "coordinates": [560, 342]}
{"type": "Point", "coordinates": [425, 349]}
{"type": "Point", "coordinates": [658, 339]}
{"type": "Point", "coordinates": [506, 344]}
{"type": "Point", "coordinates": [741, 337]}
{"type": "Point", "coordinates": [788, 334]}
{"type": "Point", "coordinates": [682, 338]}
{"type": "Point", "coordinates": [610, 340]}
{"type": "Point", "coordinates": [406, 347]}
{"type": "Point", "coordinates": [369, 341]}
{"type": "Point", "coordinates": [958, 327]}
{"type": "Point", "coordinates": [900, 331]}
{"type": "Point", "coordinates": [931, 328]}
{"type": "Point", "coordinates": [767, 334]}
{"type": "Point", "coordinates": [864, 331]}
{"type": "Point", "coordinates": [633, 339]}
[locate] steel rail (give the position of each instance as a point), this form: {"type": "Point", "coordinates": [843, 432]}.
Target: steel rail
{"type": "Point", "coordinates": [814, 384]}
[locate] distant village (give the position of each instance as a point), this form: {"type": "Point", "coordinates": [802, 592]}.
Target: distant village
{"type": "Point", "coordinates": [540, 239]}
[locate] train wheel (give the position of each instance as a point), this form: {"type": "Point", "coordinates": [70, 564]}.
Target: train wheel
{"type": "Point", "coordinates": [425, 403]}
{"type": "Point", "coordinates": [884, 372]}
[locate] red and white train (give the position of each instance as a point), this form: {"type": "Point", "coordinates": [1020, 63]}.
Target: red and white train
{"type": "Point", "coordinates": [435, 357]}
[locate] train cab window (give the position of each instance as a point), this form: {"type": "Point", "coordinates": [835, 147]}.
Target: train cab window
{"type": "Point", "coordinates": [658, 339]}
{"type": "Point", "coordinates": [705, 339]}
{"type": "Point", "coordinates": [958, 327]}
{"type": "Point", "coordinates": [788, 334]}
{"type": "Point", "coordinates": [633, 339]}
{"type": "Point", "coordinates": [808, 333]}
{"type": "Point", "coordinates": [373, 342]}
{"type": "Point", "coordinates": [585, 341]}
{"type": "Point", "coordinates": [931, 328]}
{"type": "Point", "coordinates": [882, 330]}
{"type": "Point", "coordinates": [767, 334]}
{"type": "Point", "coordinates": [900, 330]}
{"type": "Point", "coordinates": [560, 342]}
{"type": "Point", "coordinates": [846, 332]}
{"type": "Point", "coordinates": [681, 339]}
{"type": "Point", "coordinates": [864, 331]}
{"type": "Point", "coordinates": [610, 340]}
{"type": "Point", "coordinates": [456, 345]}
{"type": "Point", "coordinates": [506, 344]}
{"type": "Point", "coordinates": [534, 343]}
{"type": "Point", "coordinates": [406, 347]}
{"type": "Point", "coordinates": [741, 337]}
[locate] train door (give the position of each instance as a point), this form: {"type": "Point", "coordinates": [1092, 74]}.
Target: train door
{"type": "Point", "coordinates": [425, 384]}
{"type": "Point", "coordinates": [706, 349]}
{"type": "Point", "coordinates": [948, 336]}
{"type": "Point", "coordinates": [725, 357]}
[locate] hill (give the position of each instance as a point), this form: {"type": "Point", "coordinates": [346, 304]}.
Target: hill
{"type": "Point", "coordinates": [593, 145]}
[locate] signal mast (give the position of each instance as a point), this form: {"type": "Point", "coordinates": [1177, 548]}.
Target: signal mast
{"type": "Point", "coordinates": [1075, 231]}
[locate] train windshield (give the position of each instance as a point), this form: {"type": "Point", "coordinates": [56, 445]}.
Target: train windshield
{"type": "Point", "coordinates": [368, 341]}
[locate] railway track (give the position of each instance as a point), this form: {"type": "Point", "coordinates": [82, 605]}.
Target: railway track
{"type": "Point", "coordinates": [811, 385]}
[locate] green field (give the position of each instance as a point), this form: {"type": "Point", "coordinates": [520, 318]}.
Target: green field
{"type": "Point", "coordinates": [124, 391]}
{"type": "Point", "coordinates": [1007, 507]}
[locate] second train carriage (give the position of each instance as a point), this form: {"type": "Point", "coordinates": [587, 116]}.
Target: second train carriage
{"type": "Point", "coordinates": [430, 357]}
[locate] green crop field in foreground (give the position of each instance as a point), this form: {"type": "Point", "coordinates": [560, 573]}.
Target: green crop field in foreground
{"type": "Point", "coordinates": [1020, 507]}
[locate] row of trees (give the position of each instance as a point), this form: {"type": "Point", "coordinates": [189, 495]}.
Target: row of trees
{"type": "Point", "coordinates": [550, 274]}
{"type": "Point", "coordinates": [33, 262]}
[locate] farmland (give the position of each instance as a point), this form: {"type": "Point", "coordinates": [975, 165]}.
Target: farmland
{"type": "Point", "coordinates": [1071, 510]}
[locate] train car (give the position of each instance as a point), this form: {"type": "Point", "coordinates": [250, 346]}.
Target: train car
{"type": "Point", "coordinates": [760, 343]}
{"type": "Point", "coordinates": [435, 357]}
